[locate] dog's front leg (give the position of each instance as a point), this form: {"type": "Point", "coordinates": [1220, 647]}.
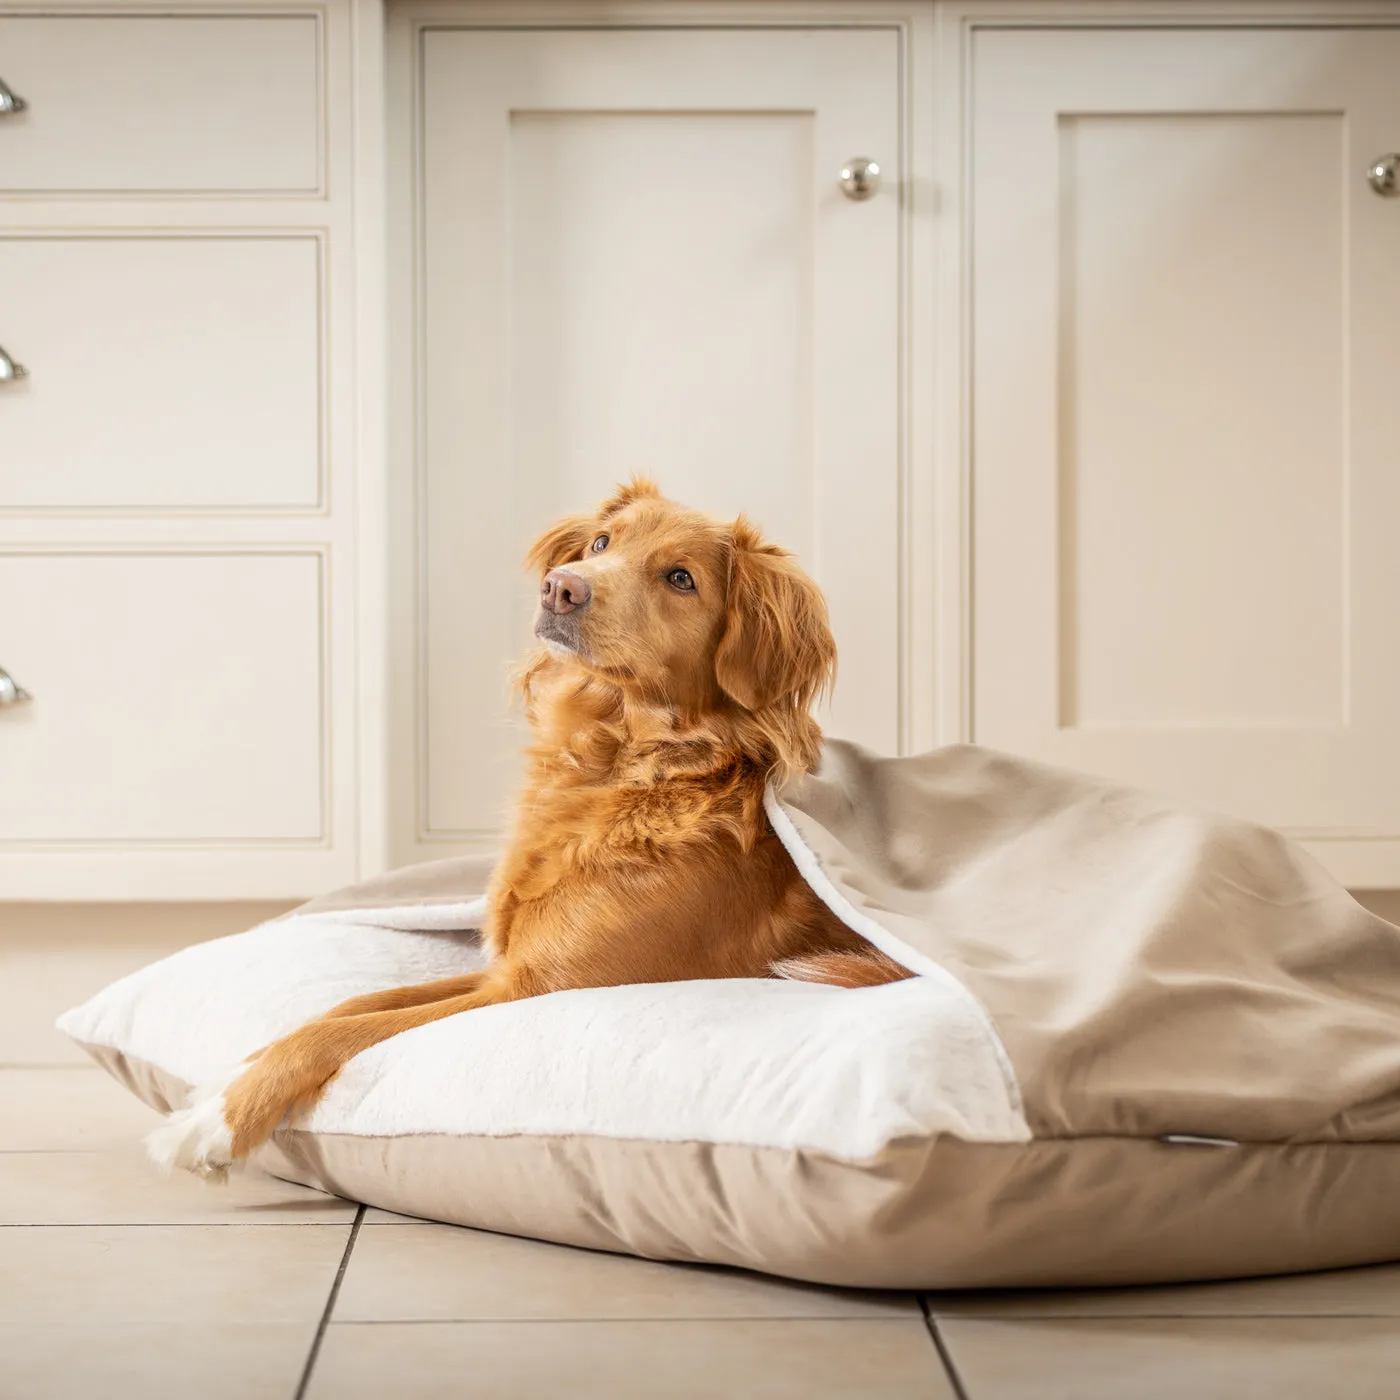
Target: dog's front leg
{"type": "Point", "coordinates": [223, 1125]}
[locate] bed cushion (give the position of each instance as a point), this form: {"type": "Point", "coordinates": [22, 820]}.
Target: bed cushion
{"type": "Point", "coordinates": [1146, 1044]}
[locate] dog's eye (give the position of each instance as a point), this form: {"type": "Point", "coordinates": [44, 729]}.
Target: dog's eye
{"type": "Point", "coordinates": [680, 578]}
{"type": "Point", "coordinates": [600, 544]}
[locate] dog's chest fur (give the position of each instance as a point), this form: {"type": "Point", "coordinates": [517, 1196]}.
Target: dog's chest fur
{"type": "Point", "coordinates": [636, 827]}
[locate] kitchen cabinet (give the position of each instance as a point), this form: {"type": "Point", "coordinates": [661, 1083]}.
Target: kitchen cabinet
{"type": "Point", "coordinates": [1184, 369]}
{"type": "Point", "coordinates": [1076, 396]}
{"type": "Point", "coordinates": [634, 252]}
{"type": "Point", "coordinates": [180, 451]}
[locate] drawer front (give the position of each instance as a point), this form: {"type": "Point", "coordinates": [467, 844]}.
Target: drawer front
{"type": "Point", "coordinates": [161, 104]}
{"type": "Point", "coordinates": [177, 698]}
{"type": "Point", "coordinates": [163, 373]}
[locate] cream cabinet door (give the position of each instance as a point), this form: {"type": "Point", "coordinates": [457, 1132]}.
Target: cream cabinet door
{"type": "Point", "coordinates": [1185, 472]}
{"type": "Point", "coordinates": [633, 252]}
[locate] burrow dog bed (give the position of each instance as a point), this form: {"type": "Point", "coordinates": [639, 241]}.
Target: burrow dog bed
{"type": "Point", "coordinates": [1147, 1044]}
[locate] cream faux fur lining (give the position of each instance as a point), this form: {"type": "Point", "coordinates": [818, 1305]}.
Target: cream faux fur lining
{"type": "Point", "coordinates": [810, 868]}
{"type": "Point", "coordinates": [754, 1061]}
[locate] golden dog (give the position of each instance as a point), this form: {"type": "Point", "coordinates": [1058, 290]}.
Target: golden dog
{"type": "Point", "coordinates": [681, 656]}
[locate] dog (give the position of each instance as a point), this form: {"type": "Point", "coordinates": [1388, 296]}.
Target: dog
{"type": "Point", "coordinates": [680, 657]}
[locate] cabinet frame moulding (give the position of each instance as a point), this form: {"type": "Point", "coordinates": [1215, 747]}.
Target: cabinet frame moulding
{"type": "Point", "coordinates": [369, 458]}
{"type": "Point", "coordinates": [919, 724]}
{"type": "Point", "coordinates": [321, 15]}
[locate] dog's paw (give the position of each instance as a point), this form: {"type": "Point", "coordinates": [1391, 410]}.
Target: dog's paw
{"type": "Point", "coordinates": [196, 1138]}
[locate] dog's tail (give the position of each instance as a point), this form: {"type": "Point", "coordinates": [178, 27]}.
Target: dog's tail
{"type": "Point", "coordinates": [867, 968]}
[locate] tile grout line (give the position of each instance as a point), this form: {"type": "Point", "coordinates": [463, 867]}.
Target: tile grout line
{"type": "Point", "coordinates": [607, 1320]}
{"type": "Point", "coordinates": [1347, 1316]}
{"type": "Point", "coordinates": [329, 1308]}
{"type": "Point", "coordinates": [201, 1224]}
{"type": "Point", "coordinates": [944, 1355]}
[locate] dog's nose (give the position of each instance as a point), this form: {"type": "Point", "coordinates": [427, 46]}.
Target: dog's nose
{"type": "Point", "coordinates": [563, 591]}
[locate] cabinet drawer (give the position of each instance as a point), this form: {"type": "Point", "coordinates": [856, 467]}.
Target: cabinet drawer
{"type": "Point", "coordinates": [164, 373]}
{"type": "Point", "coordinates": [161, 104]}
{"type": "Point", "coordinates": [177, 698]}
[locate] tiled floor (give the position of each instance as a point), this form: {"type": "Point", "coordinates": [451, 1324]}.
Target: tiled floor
{"type": "Point", "coordinates": [116, 1284]}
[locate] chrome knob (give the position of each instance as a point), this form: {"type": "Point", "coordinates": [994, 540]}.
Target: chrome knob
{"type": "Point", "coordinates": [9, 102]}
{"type": "Point", "coordinates": [1384, 175]}
{"type": "Point", "coordinates": [9, 369]}
{"type": "Point", "coordinates": [11, 692]}
{"type": "Point", "coordinates": [860, 178]}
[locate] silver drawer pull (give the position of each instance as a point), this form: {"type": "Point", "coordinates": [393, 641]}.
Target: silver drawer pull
{"type": "Point", "coordinates": [9, 369]}
{"type": "Point", "coordinates": [9, 101]}
{"type": "Point", "coordinates": [859, 178]}
{"type": "Point", "coordinates": [11, 691]}
{"type": "Point", "coordinates": [1384, 175]}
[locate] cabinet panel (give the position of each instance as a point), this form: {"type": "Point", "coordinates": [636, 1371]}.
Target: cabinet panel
{"type": "Point", "coordinates": [635, 255]}
{"type": "Point", "coordinates": [164, 373]}
{"type": "Point", "coordinates": [161, 103]}
{"type": "Point", "coordinates": [178, 698]}
{"type": "Point", "coordinates": [1202, 570]}
{"type": "Point", "coordinates": [1184, 361]}
{"type": "Point", "coordinates": [727, 403]}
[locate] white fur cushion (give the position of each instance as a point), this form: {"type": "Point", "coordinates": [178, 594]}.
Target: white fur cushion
{"type": "Point", "coordinates": [762, 1063]}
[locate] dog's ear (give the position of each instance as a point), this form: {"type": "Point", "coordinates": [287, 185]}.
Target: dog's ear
{"type": "Point", "coordinates": [777, 649]}
{"type": "Point", "coordinates": [564, 541]}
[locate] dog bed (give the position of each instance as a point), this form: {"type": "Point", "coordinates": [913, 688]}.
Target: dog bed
{"type": "Point", "coordinates": [1145, 1044]}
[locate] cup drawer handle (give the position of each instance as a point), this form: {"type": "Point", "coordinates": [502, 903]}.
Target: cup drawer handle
{"type": "Point", "coordinates": [9, 369]}
{"type": "Point", "coordinates": [10, 101]}
{"type": "Point", "coordinates": [11, 691]}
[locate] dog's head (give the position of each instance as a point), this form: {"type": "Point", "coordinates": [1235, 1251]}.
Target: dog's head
{"type": "Point", "coordinates": [682, 610]}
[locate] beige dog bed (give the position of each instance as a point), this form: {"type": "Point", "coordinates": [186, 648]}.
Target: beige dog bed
{"type": "Point", "coordinates": [1147, 1044]}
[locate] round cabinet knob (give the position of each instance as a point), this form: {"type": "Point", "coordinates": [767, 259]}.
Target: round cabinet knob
{"type": "Point", "coordinates": [1384, 175]}
{"type": "Point", "coordinates": [10, 101]}
{"type": "Point", "coordinates": [860, 178]}
{"type": "Point", "coordinates": [9, 369]}
{"type": "Point", "coordinates": [11, 691]}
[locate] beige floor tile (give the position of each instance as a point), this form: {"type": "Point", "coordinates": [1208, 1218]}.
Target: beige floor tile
{"type": "Point", "coordinates": [57, 955]}
{"type": "Point", "coordinates": [771, 1360]}
{"type": "Point", "coordinates": [120, 1187]}
{"type": "Point", "coordinates": [1170, 1358]}
{"type": "Point", "coordinates": [1373, 1292]}
{"type": "Point", "coordinates": [76, 1360]}
{"type": "Point", "coordinates": [68, 1109]}
{"type": "Point", "coordinates": [403, 1273]}
{"type": "Point", "coordinates": [112, 1275]}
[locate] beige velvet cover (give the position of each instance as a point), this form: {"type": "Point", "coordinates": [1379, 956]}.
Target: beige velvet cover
{"type": "Point", "coordinates": [1153, 972]}
{"type": "Point", "coordinates": [1151, 968]}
